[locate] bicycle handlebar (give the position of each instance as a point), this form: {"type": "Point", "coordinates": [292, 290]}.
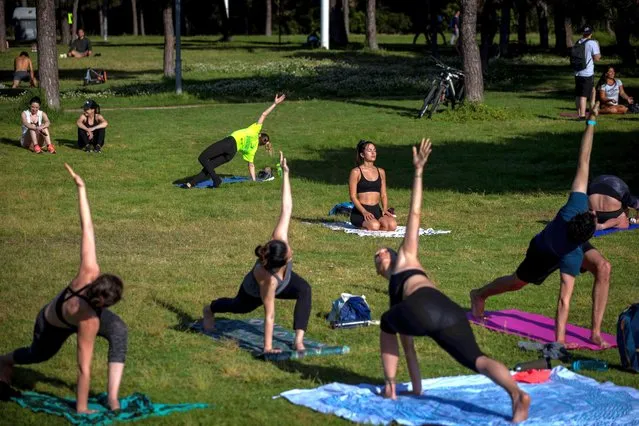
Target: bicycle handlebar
{"type": "Point", "coordinates": [446, 67]}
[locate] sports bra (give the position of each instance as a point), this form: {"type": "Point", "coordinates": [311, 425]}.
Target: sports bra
{"type": "Point", "coordinates": [365, 185]}
{"type": "Point", "coordinates": [252, 287]}
{"type": "Point", "coordinates": [63, 298]}
{"type": "Point", "coordinates": [396, 284]}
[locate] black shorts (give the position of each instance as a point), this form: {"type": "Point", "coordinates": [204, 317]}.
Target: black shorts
{"type": "Point", "coordinates": [584, 85]}
{"type": "Point", "coordinates": [537, 265]}
{"type": "Point", "coordinates": [357, 219]}
{"type": "Point", "coordinates": [603, 217]}
{"type": "Point", "coordinates": [22, 76]}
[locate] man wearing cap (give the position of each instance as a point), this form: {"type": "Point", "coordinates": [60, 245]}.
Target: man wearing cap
{"type": "Point", "coordinates": [585, 78]}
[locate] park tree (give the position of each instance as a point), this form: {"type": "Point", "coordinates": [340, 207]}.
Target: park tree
{"type": "Point", "coordinates": [504, 28]}
{"type": "Point", "coordinates": [134, 14]}
{"type": "Point", "coordinates": [48, 52]}
{"type": "Point", "coordinates": [489, 27]}
{"type": "Point", "coordinates": [522, 14]}
{"type": "Point", "coordinates": [471, 59]}
{"type": "Point", "coordinates": [371, 27]}
{"type": "Point", "coordinates": [337, 26]}
{"type": "Point", "coordinates": [3, 29]}
{"type": "Point", "coordinates": [542, 18]}
{"type": "Point", "coordinates": [268, 25]}
{"type": "Point", "coordinates": [65, 28]}
{"type": "Point", "coordinates": [74, 25]}
{"type": "Point", "coordinates": [169, 41]}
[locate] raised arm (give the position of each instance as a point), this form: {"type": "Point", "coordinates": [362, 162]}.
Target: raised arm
{"type": "Point", "coordinates": [278, 100]}
{"type": "Point", "coordinates": [281, 229]}
{"type": "Point", "coordinates": [580, 183]}
{"type": "Point", "coordinates": [88, 259]}
{"type": "Point", "coordinates": [411, 238]}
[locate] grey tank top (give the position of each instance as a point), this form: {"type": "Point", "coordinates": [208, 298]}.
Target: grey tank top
{"type": "Point", "coordinates": [252, 287]}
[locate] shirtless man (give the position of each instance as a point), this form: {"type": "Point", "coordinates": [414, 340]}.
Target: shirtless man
{"type": "Point", "coordinates": [23, 70]}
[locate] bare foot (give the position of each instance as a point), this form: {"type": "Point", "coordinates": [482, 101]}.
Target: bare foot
{"type": "Point", "coordinates": [300, 347]}
{"type": "Point", "coordinates": [521, 404]}
{"type": "Point", "coordinates": [208, 322]}
{"type": "Point", "coordinates": [599, 341]}
{"type": "Point", "coordinates": [114, 404]}
{"type": "Point", "coordinates": [477, 304]}
{"type": "Point", "coordinates": [571, 345]}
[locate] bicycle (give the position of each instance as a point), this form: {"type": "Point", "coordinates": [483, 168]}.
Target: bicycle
{"type": "Point", "coordinates": [448, 86]}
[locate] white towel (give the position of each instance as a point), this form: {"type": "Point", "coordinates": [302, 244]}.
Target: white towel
{"type": "Point", "coordinates": [397, 233]}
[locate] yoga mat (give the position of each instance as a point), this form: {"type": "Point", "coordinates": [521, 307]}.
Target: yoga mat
{"type": "Point", "coordinates": [537, 327]}
{"type": "Point", "coordinates": [229, 179]}
{"type": "Point", "coordinates": [566, 399]}
{"type": "Point", "coordinates": [602, 232]}
{"type": "Point", "coordinates": [249, 335]}
{"type": "Point", "coordinates": [134, 407]}
{"type": "Point", "coordinates": [397, 233]}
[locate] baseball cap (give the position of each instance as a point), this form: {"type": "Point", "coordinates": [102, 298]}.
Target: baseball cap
{"type": "Point", "coordinates": [89, 104]}
{"type": "Point", "coordinates": [588, 30]}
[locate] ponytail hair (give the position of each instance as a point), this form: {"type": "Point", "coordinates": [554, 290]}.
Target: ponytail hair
{"type": "Point", "coordinates": [272, 254]}
{"type": "Point", "coordinates": [361, 146]}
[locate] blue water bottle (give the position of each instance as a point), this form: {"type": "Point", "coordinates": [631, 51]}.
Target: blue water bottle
{"type": "Point", "coordinates": [590, 364]}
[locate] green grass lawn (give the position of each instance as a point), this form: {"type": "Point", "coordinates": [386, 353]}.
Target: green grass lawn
{"type": "Point", "coordinates": [493, 181]}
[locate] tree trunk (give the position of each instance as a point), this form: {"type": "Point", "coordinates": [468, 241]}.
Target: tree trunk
{"type": "Point", "coordinates": [337, 26]}
{"type": "Point", "coordinates": [105, 15]}
{"type": "Point", "coordinates": [142, 29]}
{"type": "Point", "coordinates": [504, 29]}
{"type": "Point", "coordinates": [268, 26]}
{"type": "Point", "coordinates": [169, 42]}
{"type": "Point", "coordinates": [101, 19]}
{"type": "Point", "coordinates": [74, 25]}
{"type": "Point", "coordinates": [65, 29]}
{"type": "Point", "coordinates": [3, 29]}
{"type": "Point", "coordinates": [624, 48]}
{"type": "Point", "coordinates": [134, 10]}
{"type": "Point", "coordinates": [489, 28]}
{"type": "Point", "coordinates": [347, 10]}
{"type": "Point", "coordinates": [472, 62]}
{"type": "Point", "coordinates": [568, 30]}
{"type": "Point", "coordinates": [522, 12]}
{"type": "Point", "coordinates": [371, 27]}
{"type": "Point", "coordinates": [48, 53]}
{"type": "Point", "coordinates": [542, 17]}
{"type": "Point", "coordinates": [226, 21]}
{"type": "Point", "coordinates": [560, 31]}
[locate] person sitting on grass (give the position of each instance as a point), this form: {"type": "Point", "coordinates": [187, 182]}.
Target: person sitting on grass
{"type": "Point", "coordinates": [23, 70]}
{"type": "Point", "coordinates": [367, 187]}
{"type": "Point", "coordinates": [91, 127]}
{"type": "Point", "coordinates": [610, 89]}
{"type": "Point", "coordinates": [562, 244]}
{"type": "Point", "coordinates": [79, 309]}
{"type": "Point", "coordinates": [245, 141]}
{"type": "Point", "coordinates": [80, 47]}
{"type": "Point", "coordinates": [609, 197]}
{"type": "Point", "coordinates": [271, 278]}
{"type": "Point", "coordinates": [418, 308]}
{"type": "Point", "coordinates": [36, 132]}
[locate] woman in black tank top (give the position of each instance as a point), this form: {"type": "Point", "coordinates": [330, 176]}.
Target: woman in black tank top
{"type": "Point", "coordinates": [91, 127]}
{"type": "Point", "coordinates": [419, 309]}
{"type": "Point", "coordinates": [367, 188]}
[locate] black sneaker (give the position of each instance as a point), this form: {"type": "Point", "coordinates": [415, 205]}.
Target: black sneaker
{"type": "Point", "coordinates": [97, 149]}
{"type": "Point", "coordinates": [87, 148]}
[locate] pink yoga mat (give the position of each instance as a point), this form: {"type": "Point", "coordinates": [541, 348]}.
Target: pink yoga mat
{"type": "Point", "coordinates": [537, 327]}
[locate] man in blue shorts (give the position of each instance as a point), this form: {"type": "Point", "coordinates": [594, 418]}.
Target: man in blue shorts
{"type": "Point", "coordinates": [563, 244]}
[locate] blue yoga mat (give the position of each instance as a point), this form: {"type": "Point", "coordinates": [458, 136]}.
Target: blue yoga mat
{"type": "Point", "coordinates": [249, 335]}
{"type": "Point", "coordinates": [566, 399]}
{"type": "Point", "coordinates": [229, 179]}
{"type": "Point", "coordinates": [134, 407]}
{"type": "Point", "coordinates": [602, 232]}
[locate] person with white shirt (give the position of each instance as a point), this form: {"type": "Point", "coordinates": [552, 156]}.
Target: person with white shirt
{"type": "Point", "coordinates": [585, 78]}
{"type": "Point", "coordinates": [610, 89]}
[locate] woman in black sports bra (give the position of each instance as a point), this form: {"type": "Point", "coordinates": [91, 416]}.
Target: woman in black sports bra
{"type": "Point", "coordinates": [419, 309]}
{"type": "Point", "coordinates": [79, 309]}
{"type": "Point", "coordinates": [91, 127]}
{"type": "Point", "coordinates": [367, 188]}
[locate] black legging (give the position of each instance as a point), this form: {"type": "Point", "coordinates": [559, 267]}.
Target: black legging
{"type": "Point", "coordinates": [297, 289]}
{"type": "Point", "coordinates": [214, 156]}
{"type": "Point", "coordinates": [98, 138]}
{"type": "Point", "coordinates": [429, 312]}
{"type": "Point", "coordinates": [48, 339]}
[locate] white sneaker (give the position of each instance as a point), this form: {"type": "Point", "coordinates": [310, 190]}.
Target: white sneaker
{"type": "Point", "coordinates": [63, 55]}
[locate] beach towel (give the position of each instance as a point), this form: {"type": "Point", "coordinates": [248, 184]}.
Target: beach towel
{"type": "Point", "coordinates": [397, 233]}
{"type": "Point", "coordinates": [537, 327]}
{"type": "Point", "coordinates": [249, 335]}
{"type": "Point", "coordinates": [603, 232]}
{"type": "Point", "coordinates": [566, 399]}
{"type": "Point", "coordinates": [134, 407]}
{"type": "Point", "coordinates": [228, 179]}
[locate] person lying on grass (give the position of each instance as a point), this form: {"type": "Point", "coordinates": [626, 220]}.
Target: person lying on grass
{"type": "Point", "coordinates": [562, 244]}
{"type": "Point", "coordinates": [79, 309]}
{"type": "Point", "coordinates": [367, 188]}
{"type": "Point", "coordinates": [270, 278]}
{"type": "Point", "coordinates": [245, 141]}
{"type": "Point", "coordinates": [418, 308]}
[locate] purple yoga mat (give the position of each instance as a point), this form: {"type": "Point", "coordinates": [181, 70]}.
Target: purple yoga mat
{"type": "Point", "coordinates": [537, 327]}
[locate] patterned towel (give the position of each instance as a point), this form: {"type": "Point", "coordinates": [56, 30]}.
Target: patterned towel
{"type": "Point", "coordinates": [397, 233]}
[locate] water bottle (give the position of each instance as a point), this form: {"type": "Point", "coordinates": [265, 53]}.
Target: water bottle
{"type": "Point", "coordinates": [590, 364]}
{"type": "Point", "coordinates": [538, 364]}
{"type": "Point", "coordinates": [279, 169]}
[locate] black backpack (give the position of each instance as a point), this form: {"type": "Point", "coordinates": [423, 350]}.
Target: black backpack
{"type": "Point", "coordinates": [578, 59]}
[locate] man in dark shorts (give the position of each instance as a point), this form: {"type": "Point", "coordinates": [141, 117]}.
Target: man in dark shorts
{"type": "Point", "coordinates": [80, 47]}
{"type": "Point", "coordinates": [585, 78]}
{"type": "Point", "coordinates": [23, 70]}
{"type": "Point", "coordinates": [609, 197]}
{"type": "Point", "coordinates": [563, 244]}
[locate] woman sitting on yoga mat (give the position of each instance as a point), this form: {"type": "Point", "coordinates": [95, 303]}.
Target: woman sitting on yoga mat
{"type": "Point", "coordinates": [419, 309]}
{"type": "Point", "coordinates": [367, 187]}
{"type": "Point", "coordinates": [270, 278]}
{"type": "Point", "coordinates": [81, 309]}
{"type": "Point", "coordinates": [245, 141]}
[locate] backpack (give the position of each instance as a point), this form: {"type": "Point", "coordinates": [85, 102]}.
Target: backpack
{"type": "Point", "coordinates": [628, 337]}
{"type": "Point", "coordinates": [349, 309]}
{"type": "Point", "coordinates": [578, 59]}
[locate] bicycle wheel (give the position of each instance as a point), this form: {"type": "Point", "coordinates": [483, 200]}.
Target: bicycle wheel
{"type": "Point", "coordinates": [459, 96]}
{"type": "Point", "coordinates": [427, 100]}
{"type": "Point", "coordinates": [435, 102]}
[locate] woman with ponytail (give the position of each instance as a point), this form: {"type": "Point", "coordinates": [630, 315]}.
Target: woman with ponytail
{"type": "Point", "coordinates": [270, 278]}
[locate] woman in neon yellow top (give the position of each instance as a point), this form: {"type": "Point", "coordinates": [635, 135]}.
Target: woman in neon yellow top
{"type": "Point", "coordinates": [246, 141]}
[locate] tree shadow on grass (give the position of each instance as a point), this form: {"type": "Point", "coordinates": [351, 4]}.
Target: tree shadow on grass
{"type": "Point", "coordinates": [541, 161]}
